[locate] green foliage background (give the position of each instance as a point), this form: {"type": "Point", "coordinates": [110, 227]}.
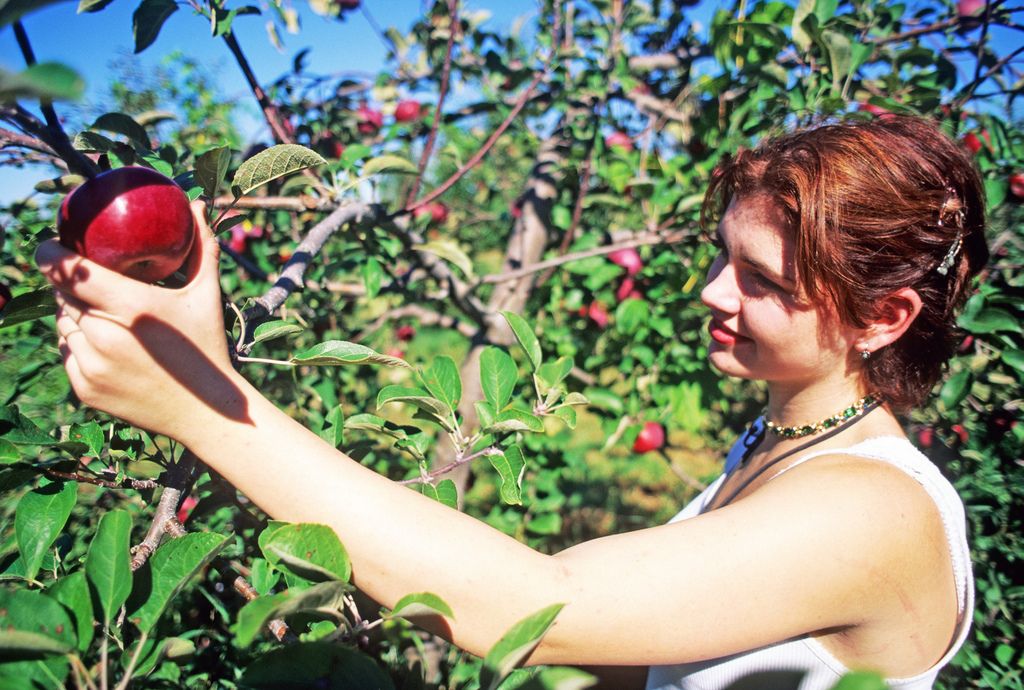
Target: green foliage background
{"type": "Point", "coordinates": [73, 478]}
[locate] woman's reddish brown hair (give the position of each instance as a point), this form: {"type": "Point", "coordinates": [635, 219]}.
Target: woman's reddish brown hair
{"type": "Point", "coordinates": [874, 206]}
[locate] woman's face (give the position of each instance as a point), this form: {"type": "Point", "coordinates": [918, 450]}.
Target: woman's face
{"type": "Point", "coordinates": [763, 326]}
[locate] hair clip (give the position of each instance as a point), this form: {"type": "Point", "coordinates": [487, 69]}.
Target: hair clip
{"type": "Point", "coordinates": [947, 261]}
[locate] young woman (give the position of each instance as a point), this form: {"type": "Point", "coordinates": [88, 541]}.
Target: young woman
{"type": "Point", "coordinates": [828, 544]}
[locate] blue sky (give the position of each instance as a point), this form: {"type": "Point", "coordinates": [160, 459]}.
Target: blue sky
{"type": "Point", "coordinates": [88, 43]}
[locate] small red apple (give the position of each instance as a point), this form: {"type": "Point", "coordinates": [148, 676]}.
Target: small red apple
{"type": "Point", "coordinates": [369, 121]}
{"type": "Point", "coordinates": [961, 433]}
{"type": "Point", "coordinates": [875, 110]}
{"type": "Point", "coordinates": [620, 140]}
{"type": "Point", "coordinates": [974, 143]}
{"type": "Point", "coordinates": [238, 239]}
{"type": "Point", "coordinates": [651, 437]}
{"type": "Point", "coordinates": [629, 259]}
{"type": "Point", "coordinates": [970, 13]}
{"type": "Point", "coordinates": [405, 333]}
{"type": "Point", "coordinates": [925, 437]}
{"type": "Point", "coordinates": [1017, 184]}
{"type": "Point", "coordinates": [5, 295]}
{"type": "Point", "coordinates": [597, 313]}
{"type": "Point", "coordinates": [408, 111]}
{"type": "Point", "coordinates": [627, 290]}
{"type": "Point", "coordinates": [132, 220]}
{"type": "Point", "coordinates": [395, 352]}
{"type": "Point", "coordinates": [186, 507]}
{"type": "Point", "coordinates": [437, 211]}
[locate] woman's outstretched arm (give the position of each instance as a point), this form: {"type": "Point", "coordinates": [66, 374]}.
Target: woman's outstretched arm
{"type": "Point", "coordinates": [772, 566]}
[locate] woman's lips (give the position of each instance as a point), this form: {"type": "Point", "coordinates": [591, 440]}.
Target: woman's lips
{"type": "Point", "coordinates": [722, 334]}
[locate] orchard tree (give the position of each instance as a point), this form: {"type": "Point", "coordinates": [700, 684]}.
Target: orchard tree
{"type": "Point", "coordinates": [495, 303]}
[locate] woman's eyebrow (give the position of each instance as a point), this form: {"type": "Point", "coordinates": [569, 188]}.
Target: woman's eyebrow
{"type": "Point", "coordinates": [770, 272]}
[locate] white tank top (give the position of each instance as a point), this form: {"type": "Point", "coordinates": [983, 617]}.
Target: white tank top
{"type": "Point", "coordinates": [803, 663]}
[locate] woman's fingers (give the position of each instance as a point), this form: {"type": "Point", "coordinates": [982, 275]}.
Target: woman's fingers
{"type": "Point", "coordinates": [86, 280]}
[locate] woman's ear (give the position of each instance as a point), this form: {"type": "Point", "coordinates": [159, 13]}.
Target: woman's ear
{"type": "Point", "coordinates": [895, 314]}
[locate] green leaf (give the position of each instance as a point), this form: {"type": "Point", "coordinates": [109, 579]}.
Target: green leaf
{"type": "Point", "coordinates": [35, 631]}
{"type": "Point", "coordinates": [511, 420]}
{"type": "Point", "coordinates": [510, 466]}
{"type": "Point", "coordinates": [1014, 357]}
{"type": "Point", "coordinates": [990, 320]}
{"type": "Point", "coordinates": [525, 335]}
{"type": "Point", "coordinates": [125, 125]}
{"type": "Point", "coordinates": [497, 376]}
{"type": "Point", "coordinates": [169, 570]}
{"type": "Point", "coordinates": [840, 55]}
{"type": "Point", "coordinates": [147, 20]}
{"type": "Point", "coordinates": [443, 381]}
{"type": "Point", "coordinates": [13, 10]}
{"type": "Point", "coordinates": [91, 434]}
{"type": "Point", "coordinates": [803, 9]}
{"type": "Point", "coordinates": [630, 315]}
{"type": "Point", "coordinates": [107, 563]}
{"type": "Point", "coordinates": [275, 162]}
{"type": "Point", "coordinates": [567, 415]}
{"type": "Point", "coordinates": [72, 591]}
{"type": "Point", "coordinates": [485, 411]}
{"type": "Point", "coordinates": [449, 251]}
{"type": "Point", "coordinates": [955, 389]}
{"type": "Point", "coordinates": [372, 273]}
{"type": "Point", "coordinates": [421, 604]}
{"type": "Point", "coordinates": [550, 374]}
{"type": "Point", "coordinates": [308, 550]}
{"type": "Point", "coordinates": [274, 329]}
{"type": "Point", "coordinates": [420, 398]}
{"type": "Point", "coordinates": [45, 81]}
{"type": "Point", "coordinates": [559, 678]}
{"type": "Point", "coordinates": [18, 429]}
{"type": "Point", "coordinates": [410, 438]}
{"type": "Point", "coordinates": [324, 596]}
{"type": "Point", "coordinates": [40, 517]}
{"type": "Point", "coordinates": [28, 306]}
{"type": "Point", "coordinates": [321, 665]}
{"type": "Point", "coordinates": [211, 168]}
{"type": "Point", "coordinates": [93, 142]}
{"type": "Point", "coordinates": [85, 6]}
{"type": "Point", "coordinates": [338, 352]}
{"type": "Point", "coordinates": [444, 493]}
{"type": "Point", "coordinates": [515, 645]}
{"type": "Point", "coordinates": [334, 427]}
{"type": "Point", "coordinates": [390, 164]}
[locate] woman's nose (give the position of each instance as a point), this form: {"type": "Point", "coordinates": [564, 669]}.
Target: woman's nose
{"type": "Point", "coordinates": [721, 292]}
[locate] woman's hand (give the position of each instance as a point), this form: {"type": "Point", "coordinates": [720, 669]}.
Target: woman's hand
{"type": "Point", "coordinates": [149, 355]}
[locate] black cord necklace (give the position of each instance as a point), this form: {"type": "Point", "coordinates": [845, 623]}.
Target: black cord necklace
{"type": "Point", "coordinates": [759, 436]}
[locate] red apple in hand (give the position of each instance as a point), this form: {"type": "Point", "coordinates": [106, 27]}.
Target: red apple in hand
{"type": "Point", "coordinates": [651, 437]}
{"type": "Point", "coordinates": [132, 220]}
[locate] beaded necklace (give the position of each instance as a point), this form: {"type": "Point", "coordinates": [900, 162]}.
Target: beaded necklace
{"type": "Point", "coordinates": [855, 410]}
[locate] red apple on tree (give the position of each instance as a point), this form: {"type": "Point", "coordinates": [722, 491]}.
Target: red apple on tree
{"type": "Point", "coordinates": [5, 295]}
{"type": "Point", "coordinates": [970, 13]}
{"type": "Point", "coordinates": [620, 140]}
{"type": "Point", "coordinates": [408, 111]}
{"type": "Point", "coordinates": [1017, 184]}
{"type": "Point", "coordinates": [651, 437]}
{"type": "Point", "coordinates": [629, 259]}
{"type": "Point", "coordinates": [132, 220]}
{"type": "Point", "coordinates": [974, 143]}
{"type": "Point", "coordinates": [437, 211]}
{"type": "Point", "coordinates": [368, 120]}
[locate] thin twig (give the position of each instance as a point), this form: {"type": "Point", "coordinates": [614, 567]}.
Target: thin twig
{"type": "Point", "coordinates": [446, 71]}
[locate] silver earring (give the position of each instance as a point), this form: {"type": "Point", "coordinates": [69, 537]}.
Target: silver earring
{"type": "Point", "coordinates": [865, 353]}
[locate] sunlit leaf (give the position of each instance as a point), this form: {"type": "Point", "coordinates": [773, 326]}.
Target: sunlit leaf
{"type": "Point", "coordinates": [255, 615]}
{"type": "Point", "coordinates": [274, 329]}
{"type": "Point", "coordinates": [275, 162]}
{"type": "Point", "coordinates": [337, 352]}
{"type": "Point", "coordinates": [443, 381]}
{"type": "Point", "coordinates": [390, 164]}
{"type": "Point", "coordinates": [449, 251]}
{"type": "Point", "coordinates": [311, 551]}
{"type": "Point", "coordinates": [498, 376]}
{"type": "Point", "coordinates": [515, 645]}
{"type": "Point", "coordinates": [445, 493]}
{"type": "Point", "coordinates": [421, 604]}
{"type": "Point", "coordinates": [47, 81]}
{"type": "Point", "coordinates": [526, 337]}
{"type": "Point", "coordinates": [510, 465]}
{"type": "Point", "coordinates": [211, 168]}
